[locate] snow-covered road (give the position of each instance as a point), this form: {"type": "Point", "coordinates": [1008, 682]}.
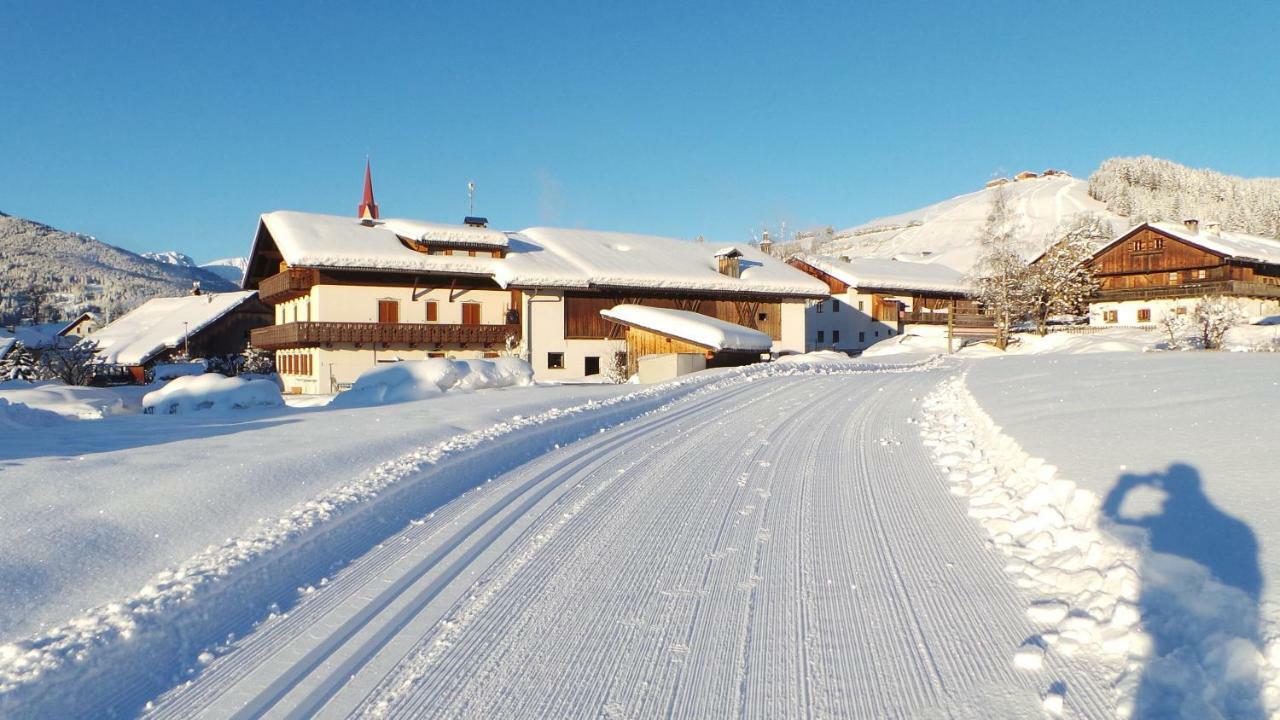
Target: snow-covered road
{"type": "Point", "coordinates": [784, 548]}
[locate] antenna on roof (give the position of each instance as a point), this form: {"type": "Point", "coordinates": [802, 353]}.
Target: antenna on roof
{"type": "Point", "coordinates": [471, 197]}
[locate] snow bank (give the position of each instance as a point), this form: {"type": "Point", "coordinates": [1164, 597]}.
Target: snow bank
{"type": "Point", "coordinates": [694, 327]}
{"type": "Point", "coordinates": [927, 339]}
{"type": "Point", "coordinates": [170, 371]}
{"type": "Point", "coordinates": [420, 379]}
{"type": "Point", "coordinates": [210, 391]}
{"type": "Point", "coordinates": [71, 401]}
{"type": "Point", "coordinates": [1179, 642]}
{"type": "Point", "coordinates": [14, 415]}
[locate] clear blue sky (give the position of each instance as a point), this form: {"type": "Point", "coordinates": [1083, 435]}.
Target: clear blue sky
{"type": "Point", "coordinates": [172, 125]}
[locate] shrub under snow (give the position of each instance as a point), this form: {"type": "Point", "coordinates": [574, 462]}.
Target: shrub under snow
{"type": "Point", "coordinates": [418, 379]}
{"type": "Point", "coordinates": [211, 391]}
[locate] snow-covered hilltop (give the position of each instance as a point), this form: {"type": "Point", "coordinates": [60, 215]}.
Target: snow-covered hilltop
{"type": "Point", "coordinates": [947, 232]}
{"type": "Point", "coordinates": [230, 269]}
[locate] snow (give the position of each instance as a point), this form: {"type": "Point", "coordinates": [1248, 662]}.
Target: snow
{"type": "Point", "coordinates": [35, 337]}
{"type": "Point", "coordinates": [889, 274]}
{"type": "Point", "coordinates": [421, 379]}
{"type": "Point", "coordinates": [231, 268]}
{"type": "Point", "coordinates": [162, 323]}
{"type": "Point", "coordinates": [211, 392]}
{"type": "Point", "coordinates": [621, 260]}
{"type": "Point", "coordinates": [1231, 244]}
{"type": "Point", "coordinates": [1133, 495]}
{"type": "Point", "coordinates": [169, 371]}
{"type": "Point", "coordinates": [68, 401]}
{"type": "Point", "coordinates": [693, 327]}
{"type": "Point", "coordinates": [536, 257]}
{"type": "Point", "coordinates": [16, 416]}
{"type": "Point", "coordinates": [947, 232]}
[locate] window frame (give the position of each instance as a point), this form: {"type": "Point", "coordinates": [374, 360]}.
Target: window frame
{"type": "Point", "coordinates": [555, 360]}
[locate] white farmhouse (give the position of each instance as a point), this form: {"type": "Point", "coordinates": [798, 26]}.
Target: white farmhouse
{"type": "Point", "coordinates": [871, 299]}
{"type": "Point", "coordinates": [1160, 268]}
{"type": "Point", "coordinates": [352, 292]}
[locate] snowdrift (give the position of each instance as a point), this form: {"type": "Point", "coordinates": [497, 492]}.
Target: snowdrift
{"type": "Point", "coordinates": [14, 415]}
{"type": "Point", "coordinates": [420, 379]}
{"type": "Point", "coordinates": [71, 401]}
{"type": "Point", "coordinates": [211, 391]}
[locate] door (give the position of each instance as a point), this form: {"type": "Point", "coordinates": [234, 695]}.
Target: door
{"type": "Point", "coordinates": [470, 313]}
{"type": "Point", "coordinates": [388, 311]}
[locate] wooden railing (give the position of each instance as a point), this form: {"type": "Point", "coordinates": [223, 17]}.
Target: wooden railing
{"type": "Point", "coordinates": [915, 317]}
{"type": "Point", "coordinates": [1217, 287]}
{"type": "Point", "coordinates": [287, 285]}
{"type": "Point", "coordinates": [318, 334]}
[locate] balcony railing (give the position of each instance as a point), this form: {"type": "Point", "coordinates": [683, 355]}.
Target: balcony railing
{"type": "Point", "coordinates": [287, 285]}
{"type": "Point", "coordinates": [1219, 287]}
{"type": "Point", "coordinates": [940, 318]}
{"type": "Point", "coordinates": [319, 334]}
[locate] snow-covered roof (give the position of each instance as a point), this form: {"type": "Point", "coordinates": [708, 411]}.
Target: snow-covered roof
{"type": "Point", "coordinates": [889, 274]}
{"type": "Point", "coordinates": [537, 257]}
{"type": "Point", "coordinates": [36, 337]}
{"type": "Point", "coordinates": [162, 323]}
{"type": "Point", "coordinates": [610, 259]}
{"type": "Point", "coordinates": [691, 326]}
{"type": "Point", "coordinates": [1232, 244]}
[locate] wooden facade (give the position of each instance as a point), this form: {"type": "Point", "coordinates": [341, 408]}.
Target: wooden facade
{"type": "Point", "coordinates": [1148, 263]}
{"type": "Point", "coordinates": [641, 342]}
{"type": "Point", "coordinates": [582, 319]}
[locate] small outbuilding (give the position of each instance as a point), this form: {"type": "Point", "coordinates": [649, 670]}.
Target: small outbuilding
{"type": "Point", "coordinates": [661, 331]}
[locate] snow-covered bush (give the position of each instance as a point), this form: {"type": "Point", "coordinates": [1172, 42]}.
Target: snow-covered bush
{"type": "Point", "coordinates": [210, 391]}
{"type": "Point", "coordinates": [1212, 317]}
{"type": "Point", "coordinates": [420, 379]}
{"type": "Point", "coordinates": [73, 401]}
{"type": "Point", "coordinates": [257, 362]}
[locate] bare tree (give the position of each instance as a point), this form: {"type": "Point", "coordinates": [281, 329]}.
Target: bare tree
{"type": "Point", "coordinates": [1212, 317]}
{"type": "Point", "coordinates": [1001, 279]}
{"type": "Point", "coordinates": [72, 364]}
{"type": "Point", "coordinates": [1061, 280]}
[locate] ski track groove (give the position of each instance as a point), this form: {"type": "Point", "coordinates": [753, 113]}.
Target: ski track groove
{"type": "Point", "coordinates": [785, 548]}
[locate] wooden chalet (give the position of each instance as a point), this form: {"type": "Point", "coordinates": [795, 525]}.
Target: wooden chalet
{"type": "Point", "coordinates": [1160, 267]}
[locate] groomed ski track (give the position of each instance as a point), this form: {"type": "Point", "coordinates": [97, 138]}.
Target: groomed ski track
{"type": "Point", "coordinates": [785, 548]}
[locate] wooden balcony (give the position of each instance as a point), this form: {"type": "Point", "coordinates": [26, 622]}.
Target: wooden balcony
{"type": "Point", "coordinates": [404, 335]}
{"type": "Point", "coordinates": [287, 285]}
{"type": "Point", "coordinates": [1239, 288]}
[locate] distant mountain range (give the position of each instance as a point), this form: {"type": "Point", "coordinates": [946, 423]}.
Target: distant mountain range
{"type": "Point", "coordinates": [48, 274]}
{"type": "Point", "coordinates": [231, 269]}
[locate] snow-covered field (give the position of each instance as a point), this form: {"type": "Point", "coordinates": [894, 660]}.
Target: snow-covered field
{"type": "Point", "coordinates": [1081, 530]}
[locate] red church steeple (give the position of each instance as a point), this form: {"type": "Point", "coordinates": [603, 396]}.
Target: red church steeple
{"type": "Point", "coordinates": [368, 209]}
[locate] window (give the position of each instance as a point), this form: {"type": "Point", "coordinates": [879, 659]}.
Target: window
{"type": "Point", "coordinates": [762, 317]}
{"type": "Point", "coordinates": [822, 336]}
{"type": "Point", "coordinates": [388, 311]}
{"type": "Point", "coordinates": [1110, 316]}
{"type": "Point", "coordinates": [877, 333]}
{"type": "Point", "coordinates": [862, 337]}
{"type": "Point", "coordinates": [859, 304]}
{"type": "Point", "coordinates": [819, 306]}
{"type": "Point", "coordinates": [1144, 314]}
{"type": "Point", "coordinates": [835, 305]}
{"type": "Point", "coordinates": [555, 361]}
{"type": "Point", "coordinates": [1173, 278]}
{"type": "Point", "coordinates": [835, 336]}
{"type": "Point", "coordinates": [1137, 245]}
{"type": "Point", "coordinates": [1200, 274]}
{"type": "Point", "coordinates": [470, 313]}
{"type": "Point", "coordinates": [592, 366]}
{"type": "Point", "coordinates": [1180, 310]}
{"type": "Point", "coordinates": [1159, 243]}
{"type": "Point", "coordinates": [433, 311]}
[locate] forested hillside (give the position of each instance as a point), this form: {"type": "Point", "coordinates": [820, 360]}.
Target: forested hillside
{"type": "Point", "coordinates": [1147, 188]}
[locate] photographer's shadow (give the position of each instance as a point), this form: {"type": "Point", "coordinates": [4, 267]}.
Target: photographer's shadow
{"type": "Point", "coordinates": [1199, 596]}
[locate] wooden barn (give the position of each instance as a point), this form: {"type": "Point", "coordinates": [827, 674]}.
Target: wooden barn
{"type": "Point", "coordinates": [659, 331]}
{"type": "Point", "coordinates": [1158, 268]}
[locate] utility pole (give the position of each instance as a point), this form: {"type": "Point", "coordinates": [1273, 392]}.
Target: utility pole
{"type": "Point", "coordinates": [186, 340]}
{"type": "Point", "coordinates": [471, 198]}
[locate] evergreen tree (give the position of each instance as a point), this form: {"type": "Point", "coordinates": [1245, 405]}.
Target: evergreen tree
{"type": "Point", "coordinates": [19, 364]}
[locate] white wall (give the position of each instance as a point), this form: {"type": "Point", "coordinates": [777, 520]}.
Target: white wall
{"type": "Point", "coordinates": [354, 303]}
{"type": "Point", "coordinates": [853, 320]}
{"type": "Point", "coordinates": [1127, 311]}
{"type": "Point", "coordinates": [545, 311]}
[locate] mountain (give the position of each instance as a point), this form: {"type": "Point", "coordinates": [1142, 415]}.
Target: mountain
{"type": "Point", "coordinates": [1148, 188]}
{"type": "Point", "coordinates": [231, 269]}
{"type": "Point", "coordinates": [47, 275]}
{"type": "Point", "coordinates": [171, 257]}
{"type": "Point", "coordinates": [947, 232]}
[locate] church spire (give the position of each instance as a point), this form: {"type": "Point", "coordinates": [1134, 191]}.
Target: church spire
{"type": "Point", "coordinates": [368, 209]}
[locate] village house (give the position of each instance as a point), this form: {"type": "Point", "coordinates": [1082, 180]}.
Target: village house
{"type": "Point", "coordinates": [1158, 268]}
{"type": "Point", "coordinates": [200, 325]}
{"type": "Point", "coordinates": [870, 299]}
{"type": "Point", "coordinates": [351, 292]}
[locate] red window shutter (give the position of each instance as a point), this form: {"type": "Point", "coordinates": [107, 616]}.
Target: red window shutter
{"type": "Point", "coordinates": [432, 311]}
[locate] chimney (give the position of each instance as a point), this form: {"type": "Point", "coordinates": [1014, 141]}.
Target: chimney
{"type": "Point", "coordinates": [475, 221]}
{"type": "Point", "coordinates": [766, 244]}
{"type": "Point", "coordinates": [368, 209]}
{"type": "Point", "coordinates": [729, 262]}
{"type": "Point", "coordinates": [1215, 229]}
{"type": "Point", "coordinates": [195, 287]}
{"type": "Point", "coordinates": [844, 258]}
{"type": "Point", "coordinates": [1193, 225]}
